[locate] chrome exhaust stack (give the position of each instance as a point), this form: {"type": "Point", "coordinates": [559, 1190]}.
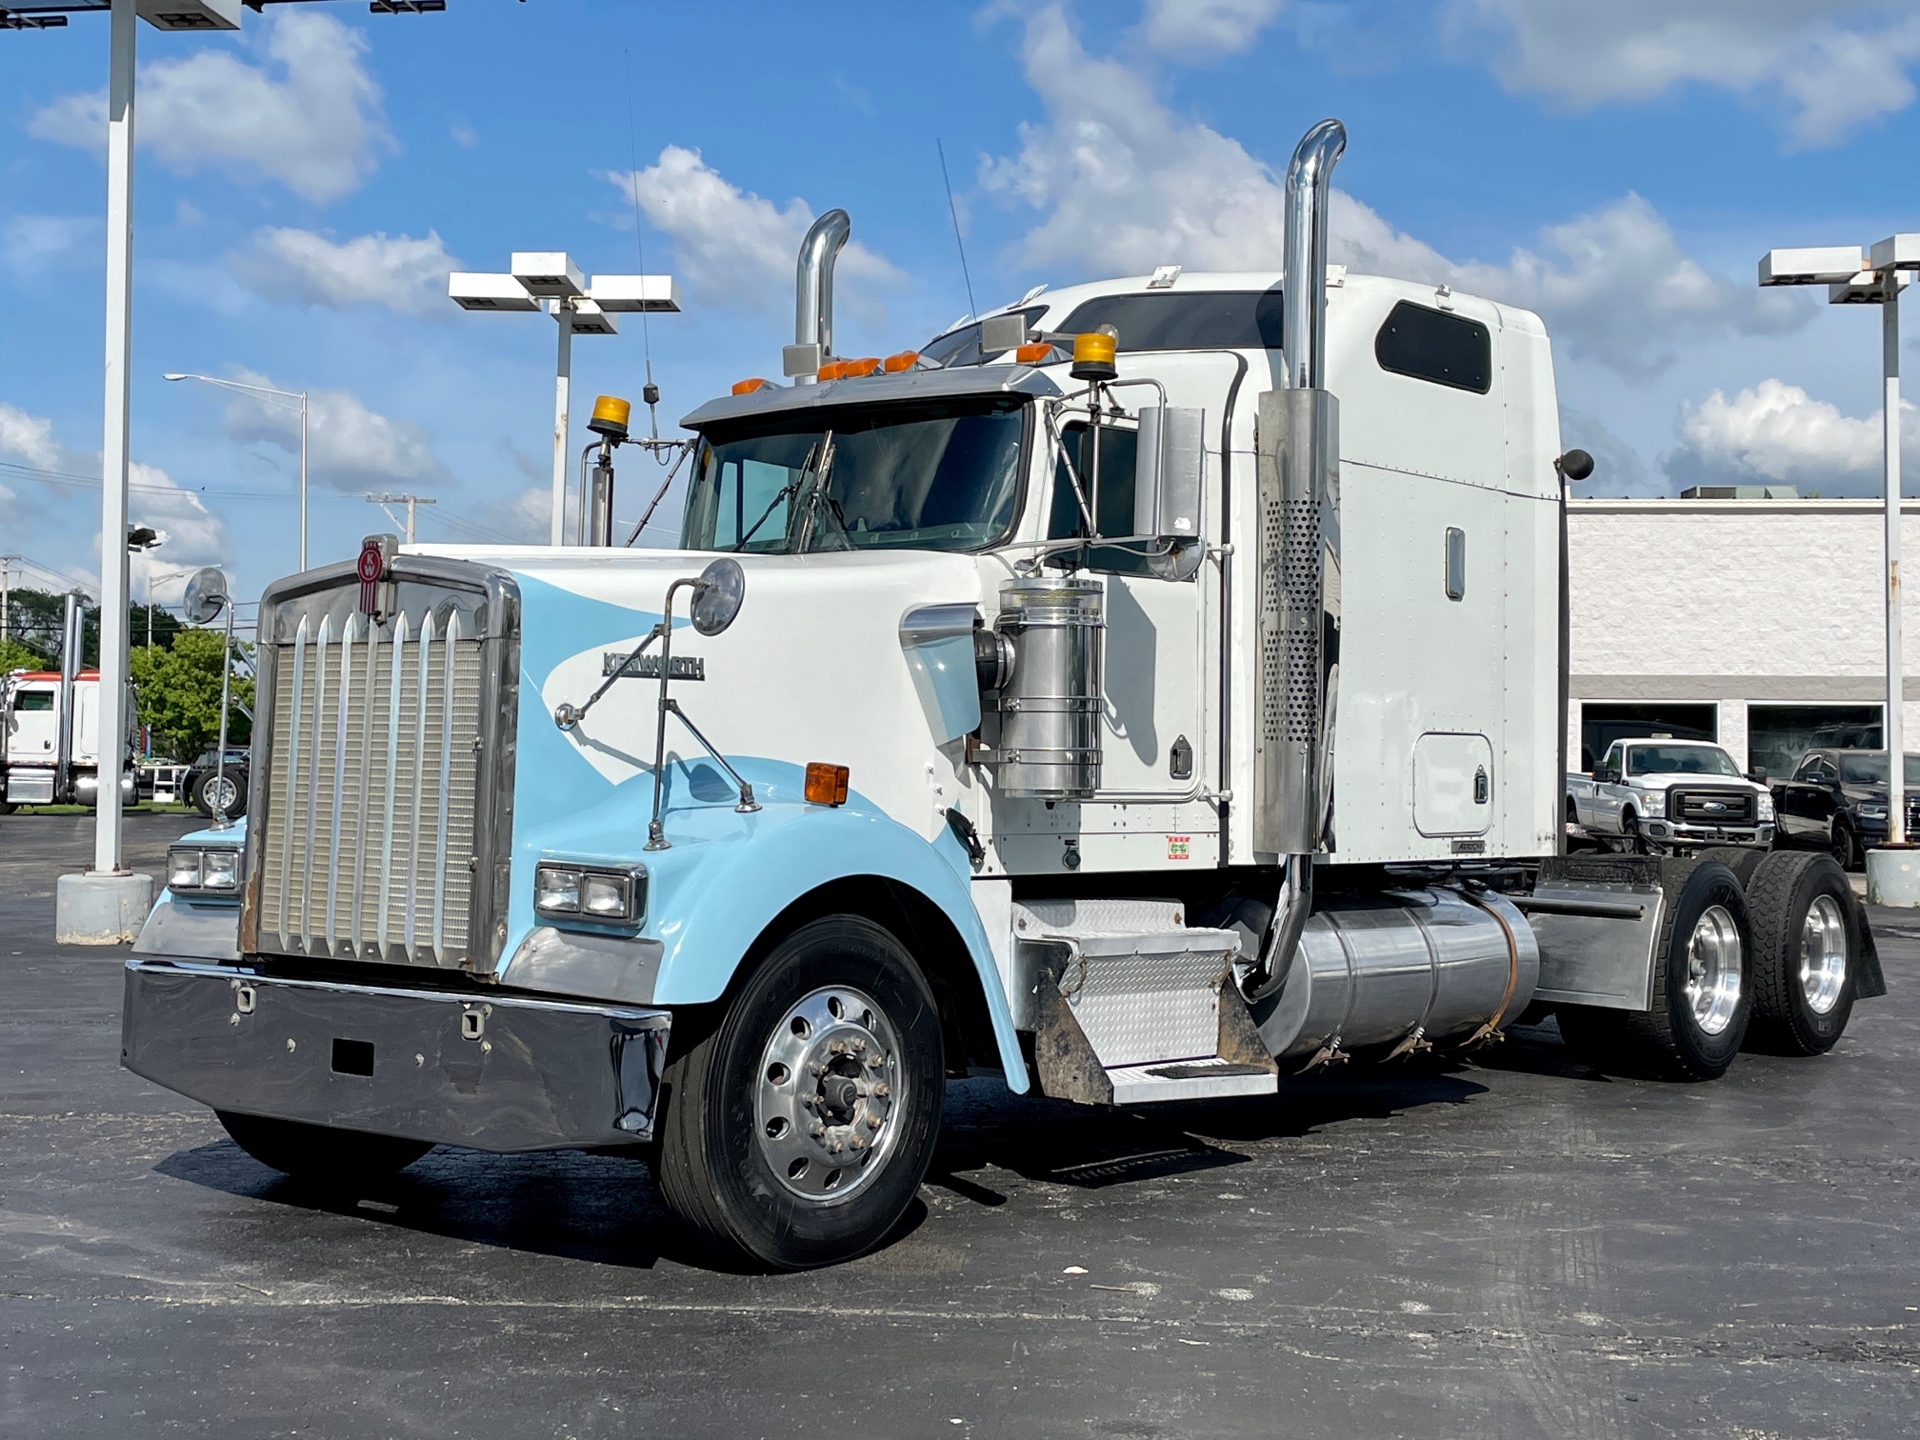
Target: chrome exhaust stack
{"type": "Point", "coordinates": [1298, 659]}
{"type": "Point", "coordinates": [813, 297]}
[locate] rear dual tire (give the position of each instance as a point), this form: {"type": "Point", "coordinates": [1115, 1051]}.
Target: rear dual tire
{"type": "Point", "coordinates": [1702, 996]}
{"type": "Point", "coordinates": [1806, 938]}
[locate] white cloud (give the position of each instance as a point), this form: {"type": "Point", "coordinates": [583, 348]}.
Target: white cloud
{"type": "Point", "coordinates": [736, 247]}
{"type": "Point", "coordinates": [398, 271]}
{"type": "Point", "coordinates": [31, 243]}
{"type": "Point", "coordinates": [349, 446]}
{"type": "Point", "coordinates": [1123, 184]}
{"type": "Point", "coordinates": [28, 438]}
{"type": "Point", "coordinates": [194, 535]}
{"type": "Point", "coordinates": [311, 118]}
{"type": "Point", "coordinates": [1838, 63]}
{"type": "Point", "coordinates": [1198, 27]}
{"type": "Point", "coordinates": [1776, 431]}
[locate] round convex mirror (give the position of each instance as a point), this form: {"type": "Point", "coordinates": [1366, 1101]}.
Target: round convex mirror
{"type": "Point", "coordinates": [206, 593]}
{"type": "Point", "coordinates": [717, 596]}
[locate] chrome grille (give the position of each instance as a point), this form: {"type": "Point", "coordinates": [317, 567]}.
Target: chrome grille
{"type": "Point", "coordinates": [1710, 806]}
{"type": "Point", "coordinates": [368, 838]}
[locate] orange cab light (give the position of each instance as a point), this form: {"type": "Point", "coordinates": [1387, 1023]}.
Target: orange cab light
{"type": "Point", "coordinates": [894, 364]}
{"type": "Point", "coordinates": [747, 387]}
{"type": "Point", "coordinates": [859, 367]}
{"type": "Point", "coordinates": [826, 784]}
{"type": "Point", "coordinates": [1034, 354]}
{"type": "Point", "coordinates": [832, 370]}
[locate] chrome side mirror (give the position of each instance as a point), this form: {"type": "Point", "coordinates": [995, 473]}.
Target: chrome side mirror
{"type": "Point", "coordinates": [1169, 463]}
{"type": "Point", "coordinates": [206, 595]}
{"type": "Point", "coordinates": [717, 596]}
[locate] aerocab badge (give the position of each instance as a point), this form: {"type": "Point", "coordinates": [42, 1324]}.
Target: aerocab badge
{"type": "Point", "coordinates": [375, 568]}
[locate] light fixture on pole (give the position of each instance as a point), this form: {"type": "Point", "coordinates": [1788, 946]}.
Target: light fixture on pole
{"type": "Point", "coordinates": [548, 279]}
{"type": "Point", "coordinates": [1875, 277]}
{"type": "Point", "coordinates": [144, 538]}
{"type": "Point", "coordinates": [299, 401]}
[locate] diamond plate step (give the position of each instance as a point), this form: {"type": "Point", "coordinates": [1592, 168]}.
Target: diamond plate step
{"type": "Point", "coordinates": [1211, 1079]}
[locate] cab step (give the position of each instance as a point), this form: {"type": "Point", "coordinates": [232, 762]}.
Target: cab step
{"type": "Point", "coordinates": [1129, 1005]}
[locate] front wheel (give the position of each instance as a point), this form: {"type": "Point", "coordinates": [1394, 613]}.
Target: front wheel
{"type": "Point", "coordinates": [229, 785]}
{"type": "Point", "coordinates": [1843, 848]}
{"type": "Point", "coordinates": [797, 1130]}
{"type": "Point", "coordinates": [320, 1153]}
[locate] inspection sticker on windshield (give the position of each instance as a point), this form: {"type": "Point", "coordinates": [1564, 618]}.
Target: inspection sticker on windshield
{"type": "Point", "coordinates": [1178, 847]}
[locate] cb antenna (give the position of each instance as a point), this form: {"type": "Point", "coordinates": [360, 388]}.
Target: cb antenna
{"type": "Point", "coordinates": [651, 393]}
{"type": "Point", "coordinates": [972, 309]}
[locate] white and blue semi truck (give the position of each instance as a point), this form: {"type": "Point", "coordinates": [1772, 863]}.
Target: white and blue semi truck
{"type": "Point", "coordinates": [1144, 692]}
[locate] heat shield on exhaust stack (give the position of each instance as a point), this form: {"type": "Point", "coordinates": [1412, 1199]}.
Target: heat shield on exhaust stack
{"type": "Point", "coordinates": [1297, 665]}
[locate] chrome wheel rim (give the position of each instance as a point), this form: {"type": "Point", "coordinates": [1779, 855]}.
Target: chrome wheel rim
{"type": "Point", "coordinates": [1823, 954]}
{"type": "Point", "coordinates": [1714, 970]}
{"type": "Point", "coordinates": [221, 793]}
{"type": "Point", "coordinates": [829, 1084]}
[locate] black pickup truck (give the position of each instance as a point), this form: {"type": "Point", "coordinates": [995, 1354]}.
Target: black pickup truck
{"type": "Point", "coordinates": [1837, 801]}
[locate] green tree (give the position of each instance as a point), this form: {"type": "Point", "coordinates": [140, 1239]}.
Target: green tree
{"type": "Point", "coordinates": [179, 694]}
{"type": "Point", "coordinates": [15, 656]}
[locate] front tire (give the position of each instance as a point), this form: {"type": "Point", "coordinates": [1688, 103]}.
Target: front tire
{"type": "Point", "coordinates": [1635, 842]}
{"type": "Point", "coordinates": [1805, 938]}
{"type": "Point", "coordinates": [798, 1129]}
{"type": "Point", "coordinates": [320, 1153]}
{"type": "Point", "coordinates": [1843, 847]}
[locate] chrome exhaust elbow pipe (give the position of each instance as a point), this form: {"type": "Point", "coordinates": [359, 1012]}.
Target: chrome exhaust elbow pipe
{"type": "Point", "coordinates": [813, 295]}
{"type": "Point", "coordinates": [1309, 183]}
{"type": "Point", "coordinates": [1298, 659]}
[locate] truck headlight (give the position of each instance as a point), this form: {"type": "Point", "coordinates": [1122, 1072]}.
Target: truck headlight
{"type": "Point", "coordinates": [1765, 804]}
{"type": "Point", "coordinates": [1655, 803]}
{"type": "Point", "coordinates": [204, 870]}
{"type": "Point", "coordinates": [1873, 812]}
{"type": "Point", "coordinates": [600, 894]}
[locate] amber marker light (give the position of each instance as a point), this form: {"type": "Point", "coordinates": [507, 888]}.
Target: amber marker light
{"type": "Point", "coordinates": [747, 387]}
{"type": "Point", "coordinates": [852, 368]}
{"type": "Point", "coordinates": [610, 416]}
{"type": "Point", "coordinates": [1034, 354]}
{"type": "Point", "coordinates": [826, 784]}
{"type": "Point", "coordinates": [832, 370]}
{"type": "Point", "coordinates": [1093, 355]}
{"type": "Point", "coordinates": [894, 364]}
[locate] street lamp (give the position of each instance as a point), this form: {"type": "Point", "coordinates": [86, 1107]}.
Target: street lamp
{"type": "Point", "coordinates": [548, 279]}
{"type": "Point", "coordinates": [1875, 277]}
{"type": "Point", "coordinates": [274, 396]}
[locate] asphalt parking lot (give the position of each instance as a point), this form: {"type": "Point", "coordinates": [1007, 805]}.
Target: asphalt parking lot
{"type": "Point", "coordinates": [1512, 1248]}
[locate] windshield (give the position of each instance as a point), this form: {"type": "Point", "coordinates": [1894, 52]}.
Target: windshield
{"type": "Point", "coordinates": [937, 476]}
{"type": "Point", "coordinates": [1872, 769]}
{"type": "Point", "coordinates": [1679, 760]}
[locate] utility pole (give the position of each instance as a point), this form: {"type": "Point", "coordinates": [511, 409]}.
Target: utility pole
{"type": "Point", "coordinates": [6, 598]}
{"type": "Point", "coordinates": [408, 500]}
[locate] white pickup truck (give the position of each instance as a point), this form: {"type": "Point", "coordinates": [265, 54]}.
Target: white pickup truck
{"type": "Point", "coordinates": [1669, 795]}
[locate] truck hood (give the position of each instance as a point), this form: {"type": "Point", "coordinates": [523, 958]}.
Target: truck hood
{"type": "Point", "coordinates": [1663, 780]}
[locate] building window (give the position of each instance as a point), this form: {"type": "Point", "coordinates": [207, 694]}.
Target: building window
{"type": "Point", "coordinates": [1601, 725]}
{"type": "Point", "coordinates": [1778, 735]}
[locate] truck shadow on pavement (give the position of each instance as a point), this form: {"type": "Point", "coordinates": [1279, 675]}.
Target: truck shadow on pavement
{"type": "Point", "coordinates": [605, 1209]}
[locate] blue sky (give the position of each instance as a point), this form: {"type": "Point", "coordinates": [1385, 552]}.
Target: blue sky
{"type": "Point", "coordinates": [304, 186]}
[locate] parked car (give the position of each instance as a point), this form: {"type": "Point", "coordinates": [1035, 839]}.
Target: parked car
{"type": "Point", "coordinates": [200, 783]}
{"type": "Point", "coordinates": [1837, 801]}
{"type": "Point", "coordinates": [1670, 795]}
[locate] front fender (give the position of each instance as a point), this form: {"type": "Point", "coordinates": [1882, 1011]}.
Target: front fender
{"type": "Point", "coordinates": [711, 899]}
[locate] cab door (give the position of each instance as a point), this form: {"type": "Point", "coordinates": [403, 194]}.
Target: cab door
{"type": "Point", "coordinates": [1152, 744]}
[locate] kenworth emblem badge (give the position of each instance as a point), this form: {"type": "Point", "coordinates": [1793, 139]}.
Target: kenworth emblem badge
{"type": "Point", "coordinates": [376, 555]}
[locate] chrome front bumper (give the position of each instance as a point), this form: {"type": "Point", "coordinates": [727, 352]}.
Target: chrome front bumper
{"type": "Point", "coordinates": [1669, 833]}
{"type": "Point", "coordinates": [497, 1073]}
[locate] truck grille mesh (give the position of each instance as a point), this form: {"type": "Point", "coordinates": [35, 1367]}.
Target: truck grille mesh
{"type": "Point", "coordinates": [371, 772]}
{"type": "Point", "coordinates": [1710, 807]}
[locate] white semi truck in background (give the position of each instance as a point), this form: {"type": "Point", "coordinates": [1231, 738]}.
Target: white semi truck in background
{"type": "Point", "coordinates": [50, 731]}
{"type": "Point", "coordinates": [1144, 692]}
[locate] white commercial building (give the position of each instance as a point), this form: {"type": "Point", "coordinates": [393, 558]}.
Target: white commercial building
{"type": "Point", "coordinates": [1755, 622]}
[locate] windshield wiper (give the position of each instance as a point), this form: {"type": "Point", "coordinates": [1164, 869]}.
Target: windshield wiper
{"type": "Point", "coordinates": [818, 502]}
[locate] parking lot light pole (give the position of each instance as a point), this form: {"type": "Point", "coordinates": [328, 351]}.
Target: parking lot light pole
{"type": "Point", "coordinates": [1875, 277]}
{"type": "Point", "coordinates": [548, 279]}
